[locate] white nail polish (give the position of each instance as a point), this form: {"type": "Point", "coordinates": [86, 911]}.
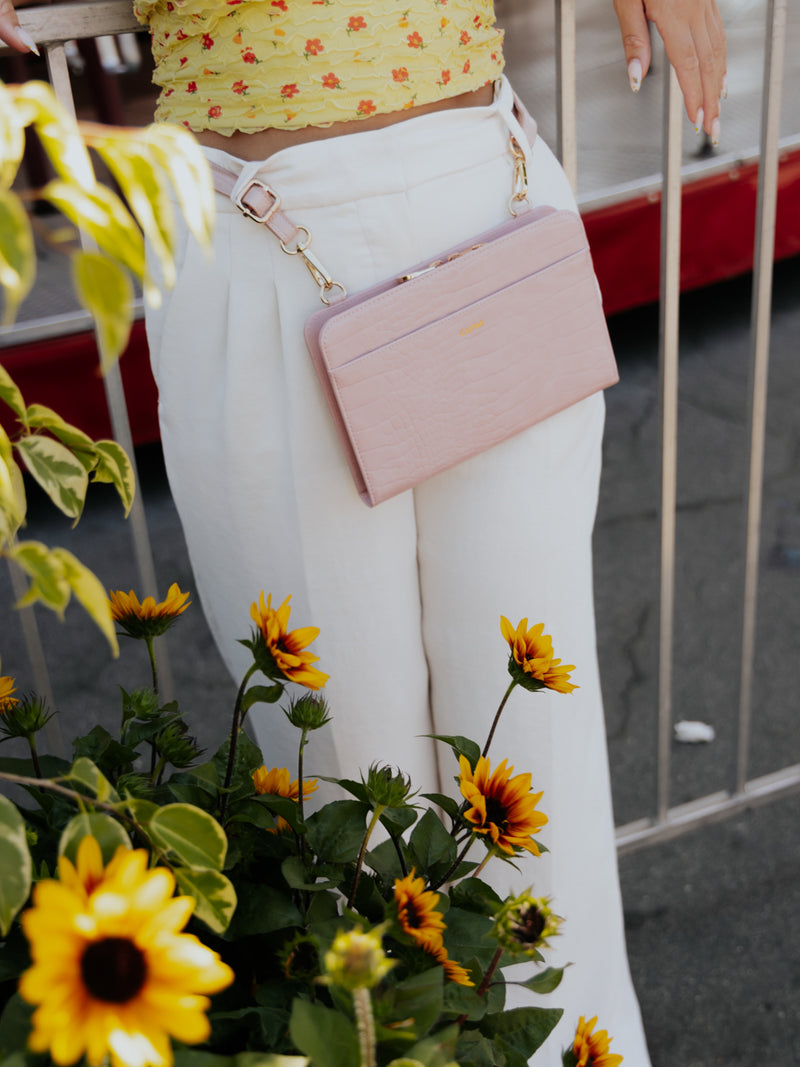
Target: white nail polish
{"type": "Point", "coordinates": [699, 119]}
{"type": "Point", "coordinates": [724, 86]}
{"type": "Point", "coordinates": [25, 38]}
{"type": "Point", "coordinates": [635, 75]}
{"type": "Point", "coordinates": [715, 132]}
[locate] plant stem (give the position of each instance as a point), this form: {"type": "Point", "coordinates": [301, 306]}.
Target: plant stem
{"type": "Point", "coordinates": [483, 863]}
{"type": "Point", "coordinates": [497, 715]}
{"type": "Point", "coordinates": [485, 981]}
{"type": "Point", "coordinates": [236, 726]}
{"type": "Point", "coordinates": [151, 652]}
{"type": "Point", "coordinates": [379, 810]}
{"type": "Point", "coordinates": [303, 739]}
{"type": "Point", "coordinates": [34, 755]}
{"type": "Point", "coordinates": [456, 864]}
{"type": "Point", "coordinates": [365, 1024]}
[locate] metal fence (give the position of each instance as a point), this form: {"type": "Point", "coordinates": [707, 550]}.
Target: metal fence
{"type": "Point", "coordinates": [51, 26]}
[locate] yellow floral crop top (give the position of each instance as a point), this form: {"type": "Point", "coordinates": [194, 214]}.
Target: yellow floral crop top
{"type": "Point", "coordinates": [248, 65]}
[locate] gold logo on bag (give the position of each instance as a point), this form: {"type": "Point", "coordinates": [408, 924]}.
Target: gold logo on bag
{"type": "Point", "coordinates": [470, 329]}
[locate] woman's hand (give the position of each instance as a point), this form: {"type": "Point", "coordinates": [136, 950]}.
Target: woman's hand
{"type": "Point", "coordinates": [694, 38]}
{"type": "Point", "coordinates": [11, 32]}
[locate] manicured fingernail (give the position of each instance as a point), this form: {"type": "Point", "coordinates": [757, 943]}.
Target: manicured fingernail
{"type": "Point", "coordinates": [25, 38]}
{"type": "Point", "coordinates": [724, 86]}
{"type": "Point", "coordinates": [715, 131]}
{"type": "Point", "coordinates": [635, 74]}
{"type": "Point", "coordinates": [699, 119]}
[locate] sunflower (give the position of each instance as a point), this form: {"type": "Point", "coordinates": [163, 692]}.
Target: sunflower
{"type": "Point", "coordinates": [111, 973]}
{"type": "Point", "coordinates": [591, 1050]}
{"type": "Point", "coordinates": [7, 687]}
{"type": "Point", "coordinates": [531, 663]}
{"type": "Point", "coordinates": [453, 971]}
{"type": "Point", "coordinates": [277, 782]}
{"type": "Point", "coordinates": [287, 648]}
{"type": "Point", "coordinates": [147, 619]}
{"type": "Point", "coordinates": [416, 911]}
{"type": "Point", "coordinates": [501, 806]}
{"type": "Point", "coordinates": [525, 924]}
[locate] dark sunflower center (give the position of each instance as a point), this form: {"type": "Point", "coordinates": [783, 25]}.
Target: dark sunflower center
{"type": "Point", "coordinates": [113, 969]}
{"type": "Point", "coordinates": [496, 812]}
{"type": "Point", "coordinates": [413, 918]}
{"type": "Point", "coordinates": [529, 926]}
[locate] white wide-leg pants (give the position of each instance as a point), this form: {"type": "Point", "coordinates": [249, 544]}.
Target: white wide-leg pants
{"type": "Point", "coordinates": [408, 595]}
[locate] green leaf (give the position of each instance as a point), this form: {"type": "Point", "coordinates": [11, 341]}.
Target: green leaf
{"type": "Point", "coordinates": [114, 466]}
{"type": "Point", "coordinates": [214, 894]}
{"type": "Point", "coordinates": [447, 804]}
{"type": "Point", "coordinates": [192, 836]}
{"type": "Point", "coordinates": [103, 216]}
{"type": "Point", "coordinates": [104, 750]}
{"type": "Point", "coordinates": [38, 416]}
{"type": "Point", "coordinates": [88, 774]}
{"type": "Point", "coordinates": [336, 831]}
{"type": "Point", "coordinates": [12, 138]}
{"type": "Point", "coordinates": [15, 1026]}
{"type": "Point", "coordinates": [261, 910]}
{"type": "Point", "coordinates": [469, 935]}
{"type": "Point", "coordinates": [48, 583]}
{"type": "Point", "coordinates": [58, 472]}
{"type": "Point", "coordinates": [57, 130]}
{"type": "Point", "coordinates": [326, 1037]}
{"type": "Point", "coordinates": [181, 157]}
{"type": "Point", "coordinates": [261, 694]}
{"type": "Point", "coordinates": [10, 394]}
{"type": "Point", "coordinates": [17, 254]}
{"type": "Point", "coordinates": [461, 746]}
{"type": "Point", "coordinates": [108, 832]}
{"type": "Point", "coordinates": [104, 289]}
{"type": "Point", "coordinates": [431, 844]}
{"type": "Point", "coordinates": [294, 871]}
{"type": "Point", "coordinates": [418, 998]}
{"type": "Point", "coordinates": [12, 491]}
{"type": "Point", "coordinates": [545, 981]}
{"type": "Point", "coordinates": [474, 895]}
{"type": "Point", "coordinates": [15, 864]}
{"type": "Point", "coordinates": [522, 1030]}
{"type": "Point", "coordinates": [90, 593]}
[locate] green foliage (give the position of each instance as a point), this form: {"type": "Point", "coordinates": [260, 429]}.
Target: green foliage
{"type": "Point", "coordinates": [345, 953]}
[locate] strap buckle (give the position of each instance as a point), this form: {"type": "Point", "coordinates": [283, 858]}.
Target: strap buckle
{"type": "Point", "coordinates": [251, 211]}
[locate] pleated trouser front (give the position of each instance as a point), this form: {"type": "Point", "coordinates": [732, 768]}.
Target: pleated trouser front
{"type": "Point", "coordinates": [408, 595]}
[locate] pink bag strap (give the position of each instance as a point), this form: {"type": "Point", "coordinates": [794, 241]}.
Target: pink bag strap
{"type": "Point", "coordinates": [259, 202]}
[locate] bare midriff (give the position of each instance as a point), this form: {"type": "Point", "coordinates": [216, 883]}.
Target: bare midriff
{"type": "Point", "coordinates": [262, 144]}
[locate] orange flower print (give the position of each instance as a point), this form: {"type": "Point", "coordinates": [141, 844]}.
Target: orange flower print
{"type": "Point", "coordinates": [366, 107]}
{"type": "Point", "coordinates": [288, 91]}
{"type": "Point", "coordinates": [330, 81]}
{"type": "Point", "coordinates": [208, 41]}
{"type": "Point", "coordinates": [240, 88]}
{"type": "Point", "coordinates": [465, 37]}
{"type": "Point", "coordinates": [184, 60]}
{"type": "Point", "coordinates": [401, 74]}
{"type": "Point", "coordinates": [249, 56]}
{"type": "Point", "coordinates": [356, 22]}
{"type": "Point", "coordinates": [477, 23]}
{"type": "Point", "coordinates": [445, 78]}
{"type": "Point", "coordinates": [181, 36]}
{"type": "Point", "coordinates": [237, 38]}
{"type": "Point", "coordinates": [444, 23]}
{"type": "Point", "coordinates": [414, 40]}
{"type": "Point", "coordinates": [465, 68]}
{"type": "Point", "coordinates": [191, 87]}
{"type": "Point", "coordinates": [280, 4]}
{"type": "Point", "coordinates": [214, 111]}
{"type": "Point", "coordinates": [169, 92]}
{"type": "Point", "coordinates": [313, 47]}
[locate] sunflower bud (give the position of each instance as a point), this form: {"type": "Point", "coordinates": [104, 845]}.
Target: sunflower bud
{"type": "Point", "coordinates": [176, 746]}
{"type": "Point", "coordinates": [356, 959]}
{"type": "Point", "coordinates": [525, 924]}
{"type": "Point", "coordinates": [385, 788]}
{"type": "Point", "coordinates": [23, 717]}
{"type": "Point", "coordinates": [140, 704]}
{"type": "Point", "coordinates": [7, 701]}
{"type": "Point", "coordinates": [308, 712]}
{"type": "Point", "coordinates": [147, 619]}
{"type": "Point", "coordinates": [300, 959]}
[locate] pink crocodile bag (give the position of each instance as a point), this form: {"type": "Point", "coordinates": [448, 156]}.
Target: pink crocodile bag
{"type": "Point", "coordinates": [453, 357]}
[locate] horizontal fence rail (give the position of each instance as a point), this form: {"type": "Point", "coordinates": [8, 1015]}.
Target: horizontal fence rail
{"type": "Point", "coordinates": [52, 26]}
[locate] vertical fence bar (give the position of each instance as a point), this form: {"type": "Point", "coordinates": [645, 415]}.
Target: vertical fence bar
{"type": "Point", "coordinates": [58, 73]}
{"type": "Point", "coordinates": [566, 91]}
{"type": "Point", "coordinates": [759, 358]}
{"type": "Point", "coordinates": [668, 376]}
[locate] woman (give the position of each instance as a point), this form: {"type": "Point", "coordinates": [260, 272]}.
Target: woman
{"type": "Point", "coordinates": [384, 128]}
